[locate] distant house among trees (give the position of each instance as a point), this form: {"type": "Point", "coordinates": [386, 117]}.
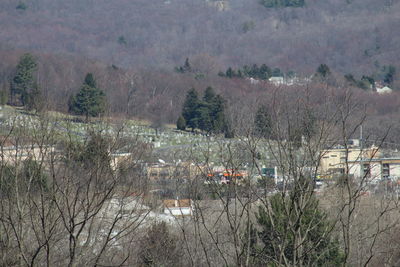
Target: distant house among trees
{"type": "Point", "coordinates": [277, 80]}
{"type": "Point", "coordinates": [383, 90]}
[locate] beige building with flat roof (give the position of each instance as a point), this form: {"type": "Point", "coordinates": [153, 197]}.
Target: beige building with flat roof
{"type": "Point", "coordinates": [333, 161]}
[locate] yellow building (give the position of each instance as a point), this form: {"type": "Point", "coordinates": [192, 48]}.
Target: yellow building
{"type": "Point", "coordinates": [333, 161]}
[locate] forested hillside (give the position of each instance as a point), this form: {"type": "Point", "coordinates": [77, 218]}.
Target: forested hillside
{"type": "Point", "coordinates": [357, 36]}
{"type": "Point", "coordinates": [146, 55]}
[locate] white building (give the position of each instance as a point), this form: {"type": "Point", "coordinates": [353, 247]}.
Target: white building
{"type": "Point", "coordinates": [376, 169]}
{"type": "Point", "coordinates": [383, 90]}
{"type": "Point", "coordinates": [178, 207]}
{"type": "Point", "coordinates": [277, 80]}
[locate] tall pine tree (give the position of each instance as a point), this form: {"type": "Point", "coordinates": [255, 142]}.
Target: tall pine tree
{"type": "Point", "coordinates": [190, 109]}
{"type": "Point", "coordinates": [207, 114]}
{"type": "Point", "coordinates": [263, 122]}
{"type": "Point", "coordinates": [281, 228]}
{"type": "Point", "coordinates": [218, 114]}
{"type": "Point", "coordinates": [23, 81]}
{"type": "Point", "coordinates": [90, 100]}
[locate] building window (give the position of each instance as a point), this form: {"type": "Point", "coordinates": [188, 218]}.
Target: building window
{"type": "Point", "coordinates": [385, 170]}
{"type": "Point", "coordinates": [367, 171]}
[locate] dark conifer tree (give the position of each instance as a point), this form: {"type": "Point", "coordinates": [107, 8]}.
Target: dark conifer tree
{"type": "Point", "coordinates": [263, 122]}
{"type": "Point", "coordinates": [90, 100]}
{"type": "Point", "coordinates": [181, 123]}
{"type": "Point", "coordinates": [23, 80]}
{"type": "Point", "coordinates": [190, 107]}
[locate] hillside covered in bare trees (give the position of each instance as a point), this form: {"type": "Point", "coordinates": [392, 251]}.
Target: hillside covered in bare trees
{"type": "Point", "coordinates": [357, 36]}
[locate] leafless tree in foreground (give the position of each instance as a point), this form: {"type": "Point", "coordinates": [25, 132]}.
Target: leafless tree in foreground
{"type": "Point", "coordinates": [69, 199]}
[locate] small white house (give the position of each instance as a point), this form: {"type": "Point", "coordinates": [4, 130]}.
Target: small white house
{"type": "Point", "coordinates": [178, 207]}
{"type": "Point", "coordinates": [383, 90]}
{"type": "Point", "coordinates": [277, 80]}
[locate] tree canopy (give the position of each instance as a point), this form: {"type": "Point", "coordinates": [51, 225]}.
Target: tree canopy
{"type": "Point", "coordinates": [23, 81]}
{"type": "Point", "coordinates": [262, 122]}
{"type": "Point", "coordinates": [207, 114]}
{"type": "Point", "coordinates": [282, 3]}
{"type": "Point", "coordinates": [189, 111]}
{"type": "Point", "coordinates": [318, 248]}
{"type": "Point", "coordinates": [90, 100]}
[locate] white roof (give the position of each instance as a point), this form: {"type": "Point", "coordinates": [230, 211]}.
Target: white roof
{"type": "Point", "coordinates": [383, 90]}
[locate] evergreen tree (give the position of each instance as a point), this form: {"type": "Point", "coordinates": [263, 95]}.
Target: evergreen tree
{"type": "Point", "coordinates": [323, 71]}
{"type": "Point", "coordinates": [351, 81]}
{"type": "Point", "coordinates": [217, 114]}
{"type": "Point", "coordinates": [262, 122]}
{"type": "Point", "coordinates": [4, 95]}
{"type": "Point", "coordinates": [370, 80]}
{"type": "Point", "coordinates": [203, 113]}
{"type": "Point", "coordinates": [228, 130]}
{"type": "Point", "coordinates": [277, 235]}
{"type": "Point", "coordinates": [94, 152]}
{"type": "Point", "coordinates": [221, 74]}
{"type": "Point", "coordinates": [34, 99]}
{"type": "Point", "coordinates": [276, 72]}
{"type": "Point", "coordinates": [23, 80]}
{"type": "Point", "coordinates": [206, 114]}
{"type": "Point", "coordinates": [282, 3]}
{"type": "Point", "coordinates": [122, 40]}
{"type": "Point", "coordinates": [246, 70]}
{"type": "Point", "coordinates": [90, 81]}
{"type": "Point", "coordinates": [364, 83]}
{"type": "Point", "coordinates": [389, 76]}
{"type": "Point", "coordinates": [290, 74]}
{"type": "Point", "coordinates": [21, 6]}
{"type": "Point", "coordinates": [186, 66]}
{"type": "Point", "coordinates": [181, 123]}
{"type": "Point", "coordinates": [230, 73]}
{"type": "Point", "coordinates": [265, 72]}
{"type": "Point", "coordinates": [209, 95]}
{"type": "Point", "coordinates": [204, 110]}
{"type": "Point", "coordinates": [90, 100]}
{"type": "Point", "coordinates": [190, 107]}
{"type": "Point", "coordinates": [308, 125]}
{"type": "Point", "coordinates": [254, 71]}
